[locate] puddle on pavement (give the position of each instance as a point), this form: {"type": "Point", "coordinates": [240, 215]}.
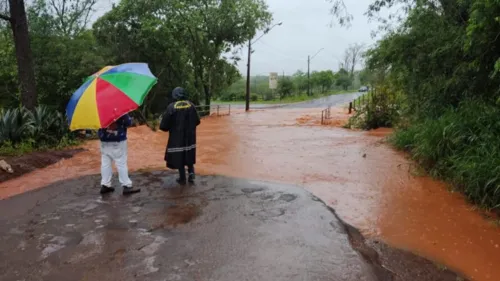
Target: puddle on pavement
{"type": "Point", "coordinates": [175, 215]}
{"type": "Point", "coordinates": [181, 214]}
{"type": "Point", "coordinates": [369, 185]}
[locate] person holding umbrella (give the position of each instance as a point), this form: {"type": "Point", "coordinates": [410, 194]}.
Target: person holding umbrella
{"type": "Point", "coordinates": [181, 120]}
{"type": "Point", "coordinates": [114, 149]}
{"type": "Point", "coordinates": [102, 103]}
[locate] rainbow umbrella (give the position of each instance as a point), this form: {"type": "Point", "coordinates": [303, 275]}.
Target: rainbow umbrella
{"type": "Point", "coordinates": [109, 94]}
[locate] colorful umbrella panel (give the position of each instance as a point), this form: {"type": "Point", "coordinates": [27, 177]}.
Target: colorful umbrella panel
{"type": "Point", "coordinates": [109, 94]}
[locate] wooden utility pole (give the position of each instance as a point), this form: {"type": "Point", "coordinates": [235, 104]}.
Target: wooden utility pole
{"type": "Point", "coordinates": [308, 76]}
{"type": "Point", "coordinates": [309, 58]}
{"type": "Point", "coordinates": [247, 96]}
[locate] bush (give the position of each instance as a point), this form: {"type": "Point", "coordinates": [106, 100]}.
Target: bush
{"type": "Point", "coordinates": [381, 109]}
{"type": "Point", "coordinates": [23, 130]}
{"type": "Point", "coordinates": [49, 127]}
{"type": "Point", "coordinates": [15, 124]}
{"type": "Point", "coordinates": [153, 122]}
{"type": "Point", "coordinates": [227, 97]}
{"type": "Point", "coordinates": [462, 147]}
{"type": "Point", "coordinates": [285, 87]}
{"type": "Point", "coordinates": [239, 96]}
{"type": "Point", "coordinates": [268, 96]}
{"type": "Point", "coordinates": [233, 96]}
{"type": "Point", "coordinates": [254, 97]}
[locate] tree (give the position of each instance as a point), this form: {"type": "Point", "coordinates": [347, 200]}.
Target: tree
{"type": "Point", "coordinates": [9, 87]}
{"type": "Point", "coordinates": [299, 78]}
{"type": "Point", "coordinates": [183, 40]}
{"type": "Point", "coordinates": [340, 12]}
{"type": "Point", "coordinates": [365, 76]}
{"type": "Point", "coordinates": [343, 79]}
{"type": "Point", "coordinates": [285, 87]}
{"type": "Point", "coordinates": [136, 31]}
{"type": "Point", "coordinates": [227, 74]}
{"type": "Point", "coordinates": [325, 80]}
{"type": "Point", "coordinates": [355, 52]}
{"type": "Point", "coordinates": [25, 72]}
{"type": "Point", "coordinates": [62, 60]}
{"type": "Point", "coordinates": [71, 16]}
{"type": "Point", "coordinates": [322, 79]}
{"type": "Point", "coordinates": [346, 60]}
{"type": "Point", "coordinates": [352, 57]}
{"type": "Point", "coordinates": [213, 27]}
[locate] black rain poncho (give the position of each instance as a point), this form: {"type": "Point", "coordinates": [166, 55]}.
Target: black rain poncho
{"type": "Point", "coordinates": [180, 120]}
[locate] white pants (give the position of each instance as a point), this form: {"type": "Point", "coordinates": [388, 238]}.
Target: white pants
{"type": "Point", "coordinates": [117, 152]}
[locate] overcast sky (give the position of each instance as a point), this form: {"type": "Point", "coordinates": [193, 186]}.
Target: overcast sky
{"type": "Point", "coordinates": [305, 29]}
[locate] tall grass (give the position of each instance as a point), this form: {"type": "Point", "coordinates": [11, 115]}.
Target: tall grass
{"type": "Point", "coordinates": [462, 147]}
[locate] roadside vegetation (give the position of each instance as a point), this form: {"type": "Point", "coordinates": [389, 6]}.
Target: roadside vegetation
{"type": "Point", "coordinates": [436, 75]}
{"type": "Point", "coordinates": [23, 131]}
{"type": "Point", "coordinates": [294, 88]}
{"type": "Point", "coordinates": [58, 47]}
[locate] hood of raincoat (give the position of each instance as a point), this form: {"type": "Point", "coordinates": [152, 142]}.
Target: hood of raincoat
{"type": "Point", "coordinates": [179, 94]}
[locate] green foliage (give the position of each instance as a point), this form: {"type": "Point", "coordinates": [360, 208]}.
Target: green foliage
{"type": "Point", "coordinates": [184, 43]}
{"type": "Point", "coordinates": [300, 80]}
{"type": "Point", "coordinates": [26, 130]}
{"type": "Point", "coordinates": [440, 63]}
{"type": "Point", "coordinates": [15, 125]}
{"type": "Point", "coordinates": [49, 126]}
{"type": "Point", "coordinates": [9, 149]}
{"type": "Point", "coordinates": [433, 54]}
{"type": "Point", "coordinates": [153, 122]}
{"type": "Point", "coordinates": [9, 95]}
{"type": "Point", "coordinates": [268, 96]}
{"type": "Point", "coordinates": [167, 34]}
{"type": "Point", "coordinates": [324, 80]}
{"type": "Point", "coordinates": [254, 97]}
{"type": "Point", "coordinates": [365, 77]}
{"type": "Point", "coordinates": [343, 79]}
{"type": "Point", "coordinates": [285, 87]}
{"type": "Point", "coordinates": [462, 146]}
{"type": "Point", "coordinates": [378, 108]}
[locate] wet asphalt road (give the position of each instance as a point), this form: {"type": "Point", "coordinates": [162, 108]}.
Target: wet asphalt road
{"type": "Point", "coordinates": [219, 229]}
{"type": "Point", "coordinates": [321, 102]}
{"type": "Point", "coordinates": [326, 101]}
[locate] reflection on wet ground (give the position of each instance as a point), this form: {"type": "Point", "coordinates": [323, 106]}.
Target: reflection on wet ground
{"type": "Point", "coordinates": [370, 185]}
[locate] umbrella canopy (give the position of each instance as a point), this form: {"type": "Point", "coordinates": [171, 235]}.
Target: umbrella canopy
{"type": "Point", "coordinates": [109, 94]}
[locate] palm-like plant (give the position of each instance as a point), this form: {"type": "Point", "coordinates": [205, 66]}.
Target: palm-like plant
{"type": "Point", "coordinates": [41, 126]}
{"type": "Point", "coordinates": [15, 125]}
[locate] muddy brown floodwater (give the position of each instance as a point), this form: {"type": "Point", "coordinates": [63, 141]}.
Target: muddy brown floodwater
{"type": "Point", "coordinates": [369, 184]}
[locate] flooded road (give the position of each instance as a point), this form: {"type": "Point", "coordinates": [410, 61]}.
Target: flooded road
{"type": "Point", "coordinates": [370, 185]}
{"type": "Point", "coordinates": [315, 103]}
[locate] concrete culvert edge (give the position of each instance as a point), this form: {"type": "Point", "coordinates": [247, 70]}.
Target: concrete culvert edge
{"type": "Point", "coordinates": [393, 264]}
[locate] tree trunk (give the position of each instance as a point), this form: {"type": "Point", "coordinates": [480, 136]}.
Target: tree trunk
{"type": "Point", "coordinates": [25, 71]}
{"type": "Point", "coordinates": [206, 89]}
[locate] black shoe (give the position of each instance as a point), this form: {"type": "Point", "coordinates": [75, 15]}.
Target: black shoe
{"type": "Point", "coordinates": [181, 181]}
{"type": "Point", "coordinates": [130, 190]}
{"type": "Point", "coordinates": [106, 189]}
{"type": "Point", "coordinates": [191, 178]}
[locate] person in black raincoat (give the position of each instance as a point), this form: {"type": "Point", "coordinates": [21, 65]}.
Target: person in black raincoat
{"type": "Point", "coordinates": [181, 120]}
